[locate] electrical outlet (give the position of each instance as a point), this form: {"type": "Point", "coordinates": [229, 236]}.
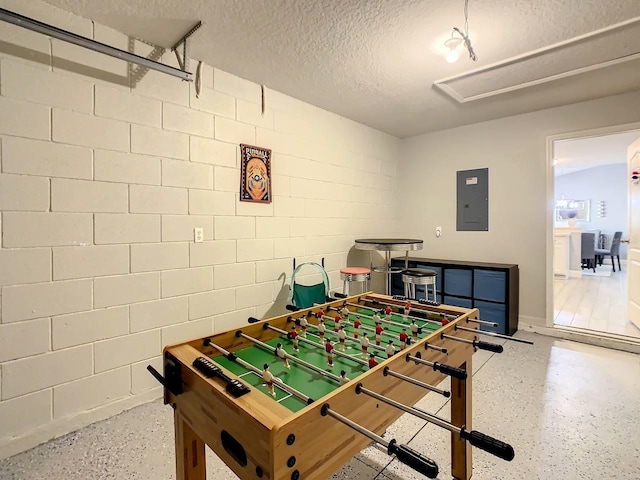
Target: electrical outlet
{"type": "Point", "coordinates": [438, 232]}
{"type": "Point", "coordinates": [198, 235]}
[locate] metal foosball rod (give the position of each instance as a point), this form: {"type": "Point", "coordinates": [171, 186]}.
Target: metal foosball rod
{"type": "Point", "coordinates": [353, 339]}
{"type": "Point", "coordinates": [450, 316]}
{"type": "Point", "coordinates": [363, 327]}
{"type": "Point", "coordinates": [336, 378]}
{"type": "Point", "coordinates": [489, 444]}
{"type": "Point", "coordinates": [495, 335]}
{"type": "Point", "coordinates": [428, 320]}
{"type": "Point", "coordinates": [391, 322]}
{"type": "Point", "coordinates": [386, 371]}
{"type": "Point", "coordinates": [318, 345]}
{"type": "Point", "coordinates": [483, 322]}
{"type": "Point", "coordinates": [480, 344]}
{"type": "Point", "coordinates": [403, 453]}
{"type": "Point", "coordinates": [454, 372]}
{"type": "Point", "coordinates": [234, 358]}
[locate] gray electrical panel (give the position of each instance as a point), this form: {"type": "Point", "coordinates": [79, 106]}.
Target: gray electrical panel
{"type": "Point", "coordinates": [473, 200]}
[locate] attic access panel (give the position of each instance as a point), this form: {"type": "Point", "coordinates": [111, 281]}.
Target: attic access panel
{"type": "Point", "coordinates": [472, 200]}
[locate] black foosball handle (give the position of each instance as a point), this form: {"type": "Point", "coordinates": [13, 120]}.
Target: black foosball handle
{"type": "Point", "coordinates": [489, 444]}
{"type": "Point", "coordinates": [413, 459]}
{"type": "Point", "coordinates": [454, 372]}
{"type": "Point", "coordinates": [292, 308]}
{"type": "Point", "coordinates": [491, 347]}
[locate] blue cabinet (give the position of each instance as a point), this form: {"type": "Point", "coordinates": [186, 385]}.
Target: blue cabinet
{"type": "Point", "coordinates": [492, 288]}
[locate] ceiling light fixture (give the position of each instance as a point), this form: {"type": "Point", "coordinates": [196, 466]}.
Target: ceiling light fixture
{"type": "Point", "coordinates": [463, 39]}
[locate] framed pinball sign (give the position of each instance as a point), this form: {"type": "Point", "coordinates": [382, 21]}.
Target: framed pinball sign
{"type": "Point", "coordinates": [255, 174]}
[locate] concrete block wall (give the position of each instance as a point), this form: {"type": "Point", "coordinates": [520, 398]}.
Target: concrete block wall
{"type": "Point", "coordinates": [102, 182]}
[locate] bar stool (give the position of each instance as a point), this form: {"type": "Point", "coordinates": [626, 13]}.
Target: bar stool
{"type": "Point", "coordinates": [354, 274]}
{"type": "Point", "coordinates": [418, 276]}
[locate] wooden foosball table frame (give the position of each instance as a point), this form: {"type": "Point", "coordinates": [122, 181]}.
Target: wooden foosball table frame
{"type": "Point", "coordinates": [261, 439]}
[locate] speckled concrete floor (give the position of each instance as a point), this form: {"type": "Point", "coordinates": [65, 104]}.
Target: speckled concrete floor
{"type": "Point", "coordinates": [571, 411]}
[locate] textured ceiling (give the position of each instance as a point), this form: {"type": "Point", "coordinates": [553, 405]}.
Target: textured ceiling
{"type": "Point", "coordinates": [375, 61]}
{"type": "Point", "coordinates": [582, 153]}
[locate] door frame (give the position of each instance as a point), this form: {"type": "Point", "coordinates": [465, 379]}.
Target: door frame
{"type": "Point", "coordinates": [605, 339]}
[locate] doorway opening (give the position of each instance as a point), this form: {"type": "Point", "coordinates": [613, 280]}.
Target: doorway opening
{"type": "Point", "coordinates": [591, 204]}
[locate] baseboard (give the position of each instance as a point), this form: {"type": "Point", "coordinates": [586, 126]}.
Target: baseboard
{"type": "Point", "coordinates": [57, 428]}
{"type": "Point", "coordinates": [606, 340]}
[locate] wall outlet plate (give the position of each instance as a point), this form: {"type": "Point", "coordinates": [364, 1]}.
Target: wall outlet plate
{"type": "Point", "coordinates": [198, 235]}
{"type": "Point", "coordinates": [438, 232]}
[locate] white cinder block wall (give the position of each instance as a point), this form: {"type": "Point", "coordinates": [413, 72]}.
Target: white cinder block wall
{"type": "Point", "coordinates": [101, 186]}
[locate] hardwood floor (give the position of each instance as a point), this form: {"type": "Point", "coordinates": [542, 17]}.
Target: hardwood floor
{"type": "Point", "coordinates": [594, 303]}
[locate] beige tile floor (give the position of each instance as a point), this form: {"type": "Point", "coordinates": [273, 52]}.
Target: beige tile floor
{"type": "Point", "coordinates": [594, 303]}
{"type": "Point", "coordinates": [570, 411]}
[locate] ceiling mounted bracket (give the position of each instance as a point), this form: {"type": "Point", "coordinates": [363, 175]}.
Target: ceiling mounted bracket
{"type": "Point", "coordinates": [186, 48]}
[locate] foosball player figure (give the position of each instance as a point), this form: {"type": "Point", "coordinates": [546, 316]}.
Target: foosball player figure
{"type": "Point", "coordinates": [344, 311]}
{"type": "Point", "coordinates": [267, 377]}
{"type": "Point", "coordinates": [376, 318]}
{"type": "Point", "coordinates": [379, 331]}
{"type": "Point", "coordinates": [414, 329]}
{"type": "Point", "coordinates": [303, 326]}
{"type": "Point", "coordinates": [372, 361]}
{"type": "Point", "coordinates": [403, 339]}
{"type": "Point", "coordinates": [390, 349]}
{"type": "Point", "coordinates": [342, 336]}
{"type": "Point", "coordinates": [356, 327]}
{"type": "Point", "coordinates": [364, 343]}
{"type": "Point", "coordinates": [282, 355]}
{"type": "Point", "coordinates": [293, 335]}
{"type": "Point", "coordinates": [407, 309]}
{"type": "Point", "coordinates": [321, 329]}
{"type": "Point", "coordinates": [329, 348]}
{"type": "Point", "coordinates": [343, 377]}
{"type": "Point", "coordinates": [336, 323]}
{"type": "Point", "coordinates": [387, 312]}
{"type": "Point", "coordinates": [443, 319]}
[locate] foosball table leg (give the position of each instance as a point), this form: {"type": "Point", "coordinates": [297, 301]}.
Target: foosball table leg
{"type": "Point", "coordinates": [461, 416]}
{"type": "Point", "coordinates": [190, 455]}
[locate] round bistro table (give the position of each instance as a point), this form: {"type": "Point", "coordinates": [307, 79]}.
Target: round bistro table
{"type": "Point", "coordinates": [388, 245]}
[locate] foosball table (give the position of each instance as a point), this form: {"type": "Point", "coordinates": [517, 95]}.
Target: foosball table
{"type": "Point", "coordinates": [298, 395]}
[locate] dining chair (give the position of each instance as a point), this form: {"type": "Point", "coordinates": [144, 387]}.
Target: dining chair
{"type": "Point", "coordinates": [613, 251]}
{"type": "Point", "coordinates": [588, 251]}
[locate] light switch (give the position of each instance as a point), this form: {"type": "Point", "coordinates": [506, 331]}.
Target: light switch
{"type": "Point", "coordinates": [198, 235]}
{"type": "Point", "coordinates": [438, 232]}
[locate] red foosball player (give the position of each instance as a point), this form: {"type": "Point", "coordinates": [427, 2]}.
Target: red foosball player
{"type": "Point", "coordinates": [372, 361]}
{"type": "Point", "coordinates": [303, 326]}
{"type": "Point", "coordinates": [387, 312]}
{"type": "Point", "coordinates": [321, 329]}
{"type": "Point", "coordinates": [336, 323]}
{"type": "Point", "coordinates": [267, 377]}
{"type": "Point", "coordinates": [390, 349]}
{"type": "Point", "coordinates": [414, 329]}
{"type": "Point", "coordinates": [329, 348]}
{"type": "Point", "coordinates": [343, 377]}
{"type": "Point", "coordinates": [356, 327]}
{"type": "Point", "coordinates": [294, 338]}
{"type": "Point", "coordinates": [342, 335]}
{"type": "Point", "coordinates": [282, 355]}
{"type": "Point", "coordinates": [407, 309]}
{"type": "Point", "coordinates": [443, 319]}
{"type": "Point", "coordinates": [379, 331]}
{"type": "Point", "coordinates": [364, 343]}
{"type": "Point", "coordinates": [403, 339]}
